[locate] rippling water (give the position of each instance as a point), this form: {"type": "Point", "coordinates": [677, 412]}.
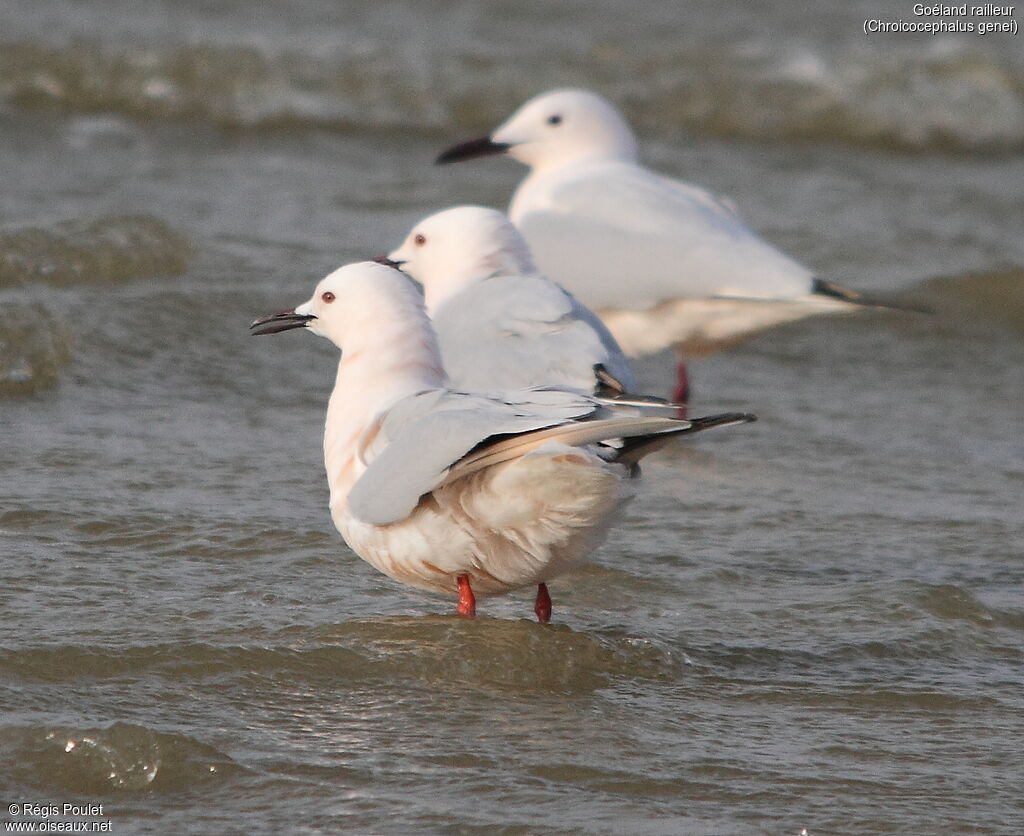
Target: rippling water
{"type": "Point", "coordinates": [811, 622]}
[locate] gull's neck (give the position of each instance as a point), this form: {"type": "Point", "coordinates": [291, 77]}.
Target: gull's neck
{"type": "Point", "coordinates": [511, 258]}
{"type": "Point", "coordinates": [619, 147]}
{"type": "Point", "coordinates": [390, 356]}
{"type": "Point", "coordinates": [539, 189]}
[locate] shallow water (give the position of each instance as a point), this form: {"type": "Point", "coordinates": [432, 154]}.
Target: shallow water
{"type": "Point", "coordinates": [810, 622]}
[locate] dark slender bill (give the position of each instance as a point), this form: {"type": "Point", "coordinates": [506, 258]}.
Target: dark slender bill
{"type": "Point", "coordinates": [282, 321]}
{"type": "Point", "coordinates": [471, 149]}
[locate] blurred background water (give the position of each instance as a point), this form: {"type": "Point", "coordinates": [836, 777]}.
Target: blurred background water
{"type": "Point", "coordinates": [811, 622]}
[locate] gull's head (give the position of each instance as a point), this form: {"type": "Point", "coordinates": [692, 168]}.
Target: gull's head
{"type": "Point", "coordinates": [459, 246]}
{"type": "Point", "coordinates": [355, 299]}
{"type": "Point", "coordinates": [553, 129]}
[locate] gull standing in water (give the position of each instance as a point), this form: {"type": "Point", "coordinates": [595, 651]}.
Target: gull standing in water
{"type": "Point", "coordinates": [502, 324]}
{"type": "Point", "coordinates": [662, 262]}
{"type": "Point", "coordinates": [463, 494]}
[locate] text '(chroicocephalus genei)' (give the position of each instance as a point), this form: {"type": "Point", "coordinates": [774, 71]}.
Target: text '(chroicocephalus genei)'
{"type": "Point", "coordinates": [662, 262]}
{"type": "Point", "coordinates": [501, 324]}
{"type": "Point", "coordinates": [452, 492]}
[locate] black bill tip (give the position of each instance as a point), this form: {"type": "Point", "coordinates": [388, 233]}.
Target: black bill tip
{"type": "Point", "coordinates": [481, 147]}
{"type": "Point", "coordinates": [387, 262]}
{"type": "Point", "coordinates": [283, 321]}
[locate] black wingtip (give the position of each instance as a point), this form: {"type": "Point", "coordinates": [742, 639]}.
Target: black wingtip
{"type": "Point", "coordinates": [721, 420]}
{"type": "Point", "coordinates": [606, 384]}
{"type": "Point", "coordinates": [610, 388]}
{"type": "Point", "coordinates": [634, 449]}
{"type": "Point", "coordinates": [835, 291]}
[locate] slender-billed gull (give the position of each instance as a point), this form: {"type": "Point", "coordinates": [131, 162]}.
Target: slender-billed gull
{"type": "Point", "coordinates": [502, 324]}
{"type": "Point", "coordinates": [460, 493]}
{"type": "Point", "coordinates": [662, 262]}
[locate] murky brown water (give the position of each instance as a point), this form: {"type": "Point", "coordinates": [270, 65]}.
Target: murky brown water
{"type": "Point", "coordinates": [812, 622]}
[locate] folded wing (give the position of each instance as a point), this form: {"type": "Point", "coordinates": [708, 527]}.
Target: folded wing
{"type": "Point", "coordinates": [414, 445]}
{"type": "Point", "coordinates": [434, 438]}
{"type": "Point", "coordinates": [520, 331]}
{"type": "Point", "coordinates": [624, 238]}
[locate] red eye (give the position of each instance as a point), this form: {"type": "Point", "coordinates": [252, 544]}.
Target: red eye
{"type": "Point", "coordinates": [327, 297]}
{"type": "Point", "coordinates": [420, 239]}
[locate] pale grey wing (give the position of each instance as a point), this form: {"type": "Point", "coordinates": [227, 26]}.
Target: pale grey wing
{"type": "Point", "coordinates": [623, 238]}
{"type": "Point", "coordinates": [520, 331]}
{"type": "Point", "coordinates": [611, 356]}
{"type": "Point", "coordinates": [549, 401]}
{"type": "Point", "coordinates": [546, 402]}
{"type": "Point", "coordinates": [423, 436]}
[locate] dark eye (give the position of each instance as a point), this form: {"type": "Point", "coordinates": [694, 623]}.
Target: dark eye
{"type": "Point", "coordinates": [327, 297]}
{"type": "Point", "coordinates": [420, 239]}
{"type": "Point", "coordinates": [555, 120]}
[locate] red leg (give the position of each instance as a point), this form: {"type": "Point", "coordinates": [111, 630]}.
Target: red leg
{"type": "Point", "coordinates": [681, 394]}
{"type": "Point", "coordinates": [542, 606]}
{"type": "Point", "coordinates": [467, 603]}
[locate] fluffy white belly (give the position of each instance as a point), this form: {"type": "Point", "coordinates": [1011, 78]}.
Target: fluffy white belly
{"type": "Point", "coordinates": [517, 524]}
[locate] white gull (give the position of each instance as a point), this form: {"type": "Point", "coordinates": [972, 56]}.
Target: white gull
{"type": "Point", "coordinates": [452, 492]}
{"type": "Point", "coordinates": [501, 323]}
{"type": "Point", "coordinates": [662, 262]}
